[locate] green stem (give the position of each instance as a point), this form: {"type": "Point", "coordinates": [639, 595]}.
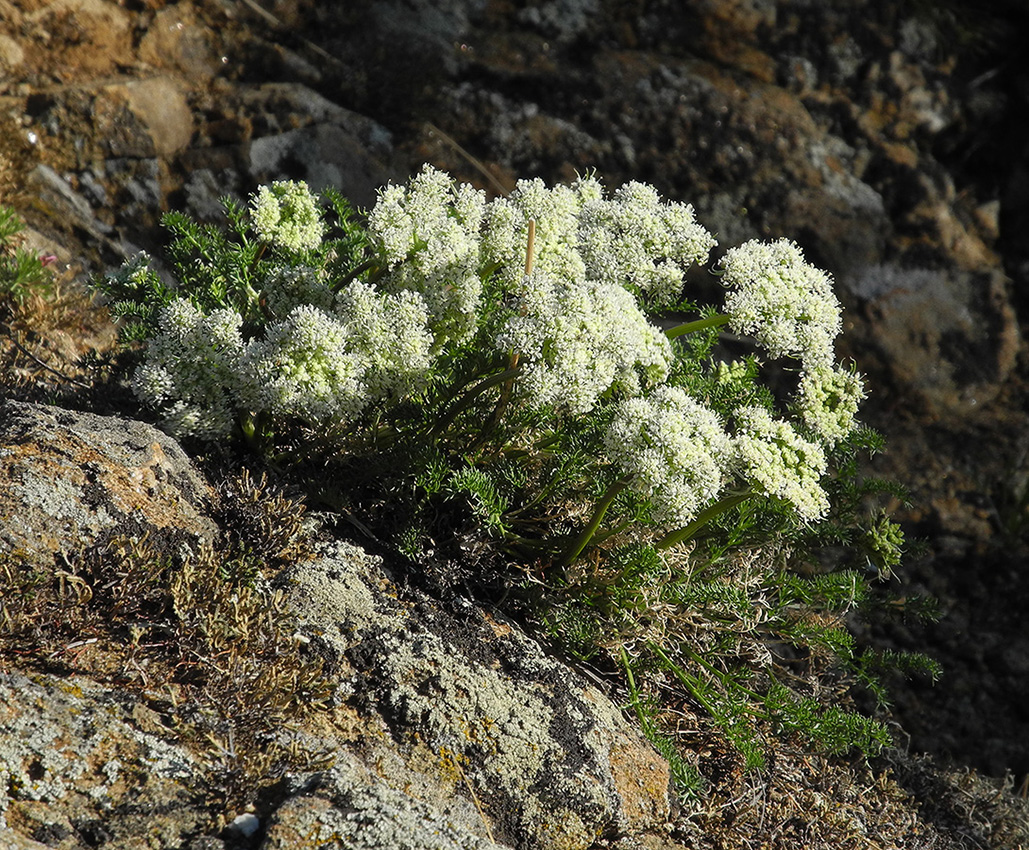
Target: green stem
{"type": "Point", "coordinates": [587, 534]}
{"type": "Point", "coordinates": [715, 321]}
{"type": "Point", "coordinates": [685, 678]}
{"type": "Point", "coordinates": [353, 274]}
{"type": "Point", "coordinates": [705, 516]}
{"type": "Point", "coordinates": [634, 694]}
{"type": "Point", "coordinates": [471, 395]}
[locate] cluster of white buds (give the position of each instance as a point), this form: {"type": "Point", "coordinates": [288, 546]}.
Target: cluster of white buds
{"type": "Point", "coordinates": [429, 236]}
{"type": "Point", "coordinates": [579, 340]}
{"type": "Point", "coordinates": [777, 461]}
{"type": "Point", "coordinates": [789, 307]}
{"type": "Point", "coordinates": [674, 451]}
{"type": "Point", "coordinates": [192, 363]}
{"type": "Point", "coordinates": [286, 215]}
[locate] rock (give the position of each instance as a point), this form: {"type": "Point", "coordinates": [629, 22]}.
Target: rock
{"type": "Point", "coordinates": [948, 338]}
{"type": "Point", "coordinates": [301, 135]}
{"type": "Point", "coordinates": [74, 478]}
{"type": "Point", "coordinates": [176, 39]}
{"type": "Point", "coordinates": [244, 825]}
{"type": "Point", "coordinates": [11, 54]}
{"type": "Point", "coordinates": [553, 762]}
{"type": "Point", "coordinates": [77, 771]}
{"type": "Point", "coordinates": [451, 732]}
{"type": "Point", "coordinates": [144, 118]}
{"type": "Point", "coordinates": [362, 812]}
{"type": "Point", "coordinates": [91, 36]}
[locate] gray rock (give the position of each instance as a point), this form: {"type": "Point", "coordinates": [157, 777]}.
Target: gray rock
{"type": "Point", "coordinates": [946, 337]}
{"type": "Point", "coordinates": [349, 807]}
{"type": "Point", "coordinates": [317, 141]}
{"type": "Point", "coordinates": [144, 118]}
{"type": "Point", "coordinates": [551, 758]}
{"type": "Point", "coordinates": [73, 477]}
{"type": "Point", "coordinates": [76, 764]}
{"type": "Point", "coordinates": [456, 733]}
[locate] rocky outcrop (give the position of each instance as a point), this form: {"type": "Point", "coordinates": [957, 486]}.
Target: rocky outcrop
{"type": "Point", "coordinates": [547, 755]}
{"type": "Point", "coordinates": [450, 729]}
{"type": "Point", "coordinates": [72, 479]}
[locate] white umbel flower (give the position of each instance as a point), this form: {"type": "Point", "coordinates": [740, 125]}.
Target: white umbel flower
{"type": "Point", "coordinates": [286, 214]}
{"type": "Point", "coordinates": [775, 459]}
{"type": "Point", "coordinates": [674, 449]}
{"type": "Point", "coordinates": [555, 247]}
{"type": "Point", "coordinates": [641, 242]}
{"type": "Point", "coordinates": [191, 369]}
{"type": "Point", "coordinates": [327, 368]}
{"type": "Point", "coordinates": [577, 341]}
{"type": "Point", "coordinates": [786, 304]}
{"type": "Point", "coordinates": [286, 287]}
{"type": "Point", "coordinates": [305, 368]}
{"type": "Point", "coordinates": [390, 333]}
{"type": "Point", "coordinates": [828, 399]}
{"type": "Point", "coordinates": [428, 233]}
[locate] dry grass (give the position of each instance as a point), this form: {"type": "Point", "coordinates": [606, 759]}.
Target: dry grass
{"type": "Point", "coordinates": [201, 634]}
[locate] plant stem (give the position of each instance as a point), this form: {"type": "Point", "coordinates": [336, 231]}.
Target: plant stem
{"type": "Point", "coordinates": [589, 532]}
{"type": "Point", "coordinates": [685, 678]}
{"type": "Point", "coordinates": [705, 516]}
{"type": "Point", "coordinates": [699, 325]}
{"type": "Point", "coordinates": [354, 273]}
{"type": "Point", "coordinates": [470, 396]}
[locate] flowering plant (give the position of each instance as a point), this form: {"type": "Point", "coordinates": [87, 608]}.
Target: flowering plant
{"type": "Point", "coordinates": [503, 357]}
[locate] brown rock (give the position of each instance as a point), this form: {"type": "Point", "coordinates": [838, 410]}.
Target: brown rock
{"type": "Point", "coordinates": [76, 36]}
{"type": "Point", "coordinates": [176, 39]}
{"type": "Point", "coordinates": [144, 118]}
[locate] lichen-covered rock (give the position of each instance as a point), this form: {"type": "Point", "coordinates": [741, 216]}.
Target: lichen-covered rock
{"type": "Point", "coordinates": [551, 760]}
{"type": "Point", "coordinates": [451, 731]}
{"type": "Point", "coordinates": [350, 808]}
{"type": "Point", "coordinates": [72, 478]}
{"type": "Point", "coordinates": [83, 766]}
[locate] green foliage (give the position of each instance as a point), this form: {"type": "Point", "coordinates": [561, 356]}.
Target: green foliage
{"type": "Point", "coordinates": [491, 373]}
{"type": "Point", "coordinates": [22, 273]}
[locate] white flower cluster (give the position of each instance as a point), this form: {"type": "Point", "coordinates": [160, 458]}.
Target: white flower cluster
{"type": "Point", "coordinates": [391, 332]}
{"type": "Point", "coordinates": [429, 235]}
{"type": "Point", "coordinates": [771, 454]}
{"type": "Point", "coordinates": [286, 287]}
{"type": "Point", "coordinates": [286, 214]}
{"type": "Point", "coordinates": [305, 368]}
{"type": "Point", "coordinates": [321, 366]}
{"type": "Point", "coordinates": [674, 449]}
{"type": "Point", "coordinates": [632, 239]}
{"type": "Point", "coordinates": [574, 323]}
{"type": "Point", "coordinates": [556, 215]}
{"type": "Point", "coordinates": [190, 368]}
{"type": "Point", "coordinates": [577, 341]}
{"type": "Point", "coordinates": [787, 305]}
{"type": "Point", "coordinates": [828, 399]}
{"type": "Point", "coordinates": [640, 242]}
